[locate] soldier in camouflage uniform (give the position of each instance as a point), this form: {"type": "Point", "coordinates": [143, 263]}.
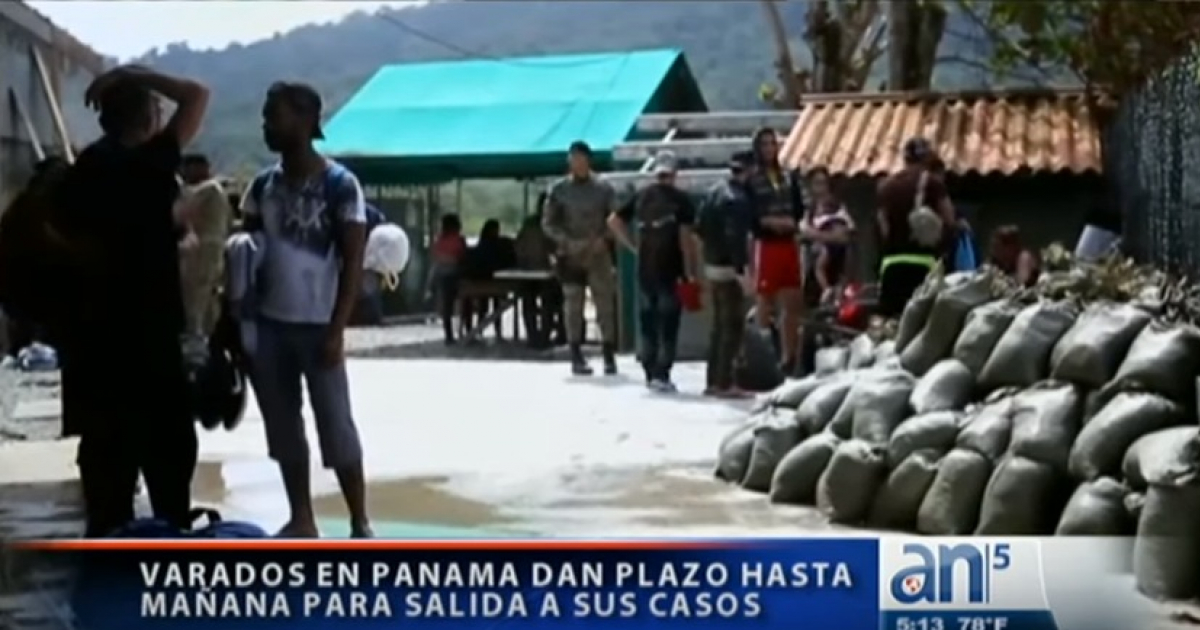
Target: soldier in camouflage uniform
{"type": "Point", "coordinates": [575, 218]}
{"type": "Point", "coordinates": [207, 216]}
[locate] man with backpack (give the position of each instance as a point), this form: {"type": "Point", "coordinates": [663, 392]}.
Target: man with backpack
{"type": "Point", "coordinates": [117, 214]}
{"type": "Point", "coordinates": [311, 214]}
{"type": "Point", "coordinates": [915, 219]}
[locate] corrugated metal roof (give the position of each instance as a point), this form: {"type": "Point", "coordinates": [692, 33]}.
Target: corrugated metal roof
{"type": "Point", "coordinates": [985, 133]}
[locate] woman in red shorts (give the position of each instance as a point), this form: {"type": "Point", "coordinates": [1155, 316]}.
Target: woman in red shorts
{"type": "Point", "coordinates": [779, 207]}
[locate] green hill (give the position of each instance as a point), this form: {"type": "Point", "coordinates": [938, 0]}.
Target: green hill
{"type": "Point", "coordinates": [726, 44]}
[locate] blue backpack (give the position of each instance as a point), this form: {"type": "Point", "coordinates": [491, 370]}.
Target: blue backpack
{"type": "Point", "coordinates": [216, 528]}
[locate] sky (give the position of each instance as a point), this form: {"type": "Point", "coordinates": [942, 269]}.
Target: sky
{"type": "Point", "coordinates": [129, 28]}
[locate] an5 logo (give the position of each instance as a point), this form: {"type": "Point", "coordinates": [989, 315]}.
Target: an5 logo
{"type": "Point", "coordinates": [931, 578]}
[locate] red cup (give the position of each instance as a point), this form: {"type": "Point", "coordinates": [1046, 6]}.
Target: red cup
{"type": "Point", "coordinates": [689, 296]}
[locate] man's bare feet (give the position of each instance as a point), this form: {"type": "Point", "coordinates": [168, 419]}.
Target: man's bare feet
{"type": "Point", "coordinates": [293, 529]}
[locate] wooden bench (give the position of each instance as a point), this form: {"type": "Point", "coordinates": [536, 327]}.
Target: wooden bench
{"type": "Point", "coordinates": [504, 290]}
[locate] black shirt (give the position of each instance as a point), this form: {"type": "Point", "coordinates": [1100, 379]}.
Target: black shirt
{"type": "Point", "coordinates": [120, 200]}
{"type": "Point", "coordinates": [659, 211]}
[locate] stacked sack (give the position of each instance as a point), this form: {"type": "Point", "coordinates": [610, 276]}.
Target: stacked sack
{"type": "Point", "coordinates": [1068, 409]}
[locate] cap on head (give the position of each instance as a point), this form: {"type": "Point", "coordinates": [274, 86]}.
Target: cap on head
{"type": "Point", "coordinates": [302, 99]}
{"type": "Point", "coordinates": [917, 150]}
{"type": "Point", "coordinates": [741, 161]}
{"type": "Point", "coordinates": [579, 147]}
{"type": "Point", "coordinates": [665, 163]}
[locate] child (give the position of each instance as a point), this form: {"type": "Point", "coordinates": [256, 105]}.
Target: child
{"type": "Point", "coordinates": [446, 258]}
{"type": "Point", "coordinates": [829, 227]}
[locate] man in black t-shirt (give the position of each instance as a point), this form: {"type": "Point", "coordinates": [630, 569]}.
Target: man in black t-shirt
{"type": "Point", "coordinates": [666, 255]}
{"type": "Point", "coordinates": [125, 391]}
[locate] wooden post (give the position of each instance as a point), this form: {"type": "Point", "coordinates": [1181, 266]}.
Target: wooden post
{"type": "Point", "coordinates": [52, 98]}
{"type": "Point", "coordinates": [23, 113]}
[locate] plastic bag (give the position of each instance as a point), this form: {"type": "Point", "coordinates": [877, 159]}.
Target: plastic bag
{"type": "Point", "coordinates": [796, 477]}
{"type": "Point", "coordinates": [1046, 419]}
{"type": "Point", "coordinates": [984, 327]}
{"type": "Point", "coordinates": [831, 359]}
{"type": "Point", "coordinates": [1097, 508]}
{"type": "Point", "coordinates": [932, 431]}
{"type": "Point", "coordinates": [1022, 498]}
{"type": "Point", "coordinates": [849, 484]}
{"type": "Point", "coordinates": [1022, 356]}
{"type": "Point", "coordinates": [988, 431]}
{"type": "Point", "coordinates": [951, 506]}
{"type": "Point", "coordinates": [947, 385]}
{"type": "Point", "coordinates": [818, 409]}
{"type": "Point", "coordinates": [1166, 551]}
{"type": "Point", "coordinates": [1092, 350]}
{"type": "Point", "coordinates": [962, 293]}
{"type": "Point", "coordinates": [916, 312]}
{"type": "Point", "coordinates": [897, 504]}
{"type": "Point", "coordinates": [1161, 456]}
{"type": "Point", "coordinates": [861, 352]}
{"type": "Point", "coordinates": [1164, 358]}
{"type": "Point", "coordinates": [875, 406]}
{"type": "Point", "coordinates": [790, 394]}
{"type": "Point", "coordinates": [1102, 444]}
{"type": "Point", "coordinates": [733, 455]}
{"type": "Point", "coordinates": [777, 434]}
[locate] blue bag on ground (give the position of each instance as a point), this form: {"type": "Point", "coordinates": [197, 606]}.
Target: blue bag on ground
{"type": "Point", "coordinates": [216, 527]}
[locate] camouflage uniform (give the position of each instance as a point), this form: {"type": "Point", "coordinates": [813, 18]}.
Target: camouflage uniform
{"type": "Point", "coordinates": [202, 264]}
{"type": "Point", "coordinates": [575, 218]}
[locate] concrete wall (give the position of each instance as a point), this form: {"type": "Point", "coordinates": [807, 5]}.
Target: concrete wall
{"type": "Point", "coordinates": [70, 67]}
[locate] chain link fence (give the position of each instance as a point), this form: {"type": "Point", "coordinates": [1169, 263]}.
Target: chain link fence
{"type": "Point", "coordinates": [1153, 161]}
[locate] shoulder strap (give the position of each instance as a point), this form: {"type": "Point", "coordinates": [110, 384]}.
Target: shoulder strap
{"type": "Point", "coordinates": [919, 201]}
{"type": "Point", "coordinates": [257, 185]}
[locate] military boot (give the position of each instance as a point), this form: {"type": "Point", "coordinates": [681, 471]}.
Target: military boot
{"type": "Point", "coordinates": [610, 359]}
{"type": "Point", "coordinates": [579, 365]}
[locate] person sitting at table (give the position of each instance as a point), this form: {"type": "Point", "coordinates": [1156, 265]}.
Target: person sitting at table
{"type": "Point", "coordinates": [492, 252]}
{"type": "Point", "coordinates": [534, 252]}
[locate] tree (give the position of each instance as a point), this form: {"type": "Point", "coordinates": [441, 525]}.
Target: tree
{"type": "Point", "coordinates": [915, 29]}
{"type": "Point", "coordinates": [1111, 47]}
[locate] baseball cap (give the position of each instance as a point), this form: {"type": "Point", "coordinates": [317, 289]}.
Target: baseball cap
{"type": "Point", "coordinates": [665, 163]}
{"type": "Point", "coordinates": [917, 149]}
{"type": "Point", "coordinates": [741, 160]}
{"type": "Point", "coordinates": [303, 99]}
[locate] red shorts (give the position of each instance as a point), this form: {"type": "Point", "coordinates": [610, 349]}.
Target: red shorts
{"type": "Point", "coordinates": [777, 264]}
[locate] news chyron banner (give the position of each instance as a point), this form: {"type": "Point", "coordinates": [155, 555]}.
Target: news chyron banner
{"type": "Point", "coordinates": [847, 583]}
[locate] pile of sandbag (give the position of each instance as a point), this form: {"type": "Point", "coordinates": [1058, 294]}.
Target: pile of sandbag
{"type": "Point", "coordinates": [999, 412]}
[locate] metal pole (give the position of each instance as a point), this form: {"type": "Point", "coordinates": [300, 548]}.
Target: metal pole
{"type": "Point", "coordinates": [23, 113]}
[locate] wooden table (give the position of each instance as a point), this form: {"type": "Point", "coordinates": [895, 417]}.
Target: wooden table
{"type": "Point", "coordinates": [504, 289]}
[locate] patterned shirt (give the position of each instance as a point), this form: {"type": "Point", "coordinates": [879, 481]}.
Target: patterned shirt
{"type": "Point", "coordinates": [299, 280]}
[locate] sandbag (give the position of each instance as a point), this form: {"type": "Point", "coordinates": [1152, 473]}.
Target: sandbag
{"type": "Point", "coordinates": [791, 393]}
{"type": "Point", "coordinates": [1022, 356]}
{"type": "Point", "coordinates": [988, 431]}
{"type": "Point", "coordinates": [1103, 442]}
{"type": "Point", "coordinates": [831, 359]}
{"type": "Point", "coordinates": [1165, 359]}
{"type": "Point", "coordinates": [1046, 419]}
{"type": "Point", "coordinates": [733, 455]}
{"type": "Point", "coordinates": [951, 506]}
{"type": "Point", "coordinates": [1092, 350]}
{"type": "Point", "coordinates": [962, 293]}
{"type": "Point", "coordinates": [757, 369]}
{"type": "Point", "coordinates": [875, 406]}
{"type": "Point", "coordinates": [820, 406]}
{"type": "Point", "coordinates": [1161, 455]}
{"type": "Point", "coordinates": [932, 431]}
{"type": "Point", "coordinates": [848, 486]}
{"type": "Point", "coordinates": [1022, 498]}
{"type": "Point", "coordinates": [1166, 551]}
{"type": "Point", "coordinates": [947, 385]}
{"type": "Point", "coordinates": [982, 330]}
{"type": "Point", "coordinates": [777, 434]}
{"type": "Point", "coordinates": [884, 351]}
{"type": "Point", "coordinates": [861, 352]}
{"type": "Point", "coordinates": [796, 477]}
{"type": "Point", "coordinates": [1097, 508]}
{"type": "Point", "coordinates": [916, 312]}
{"type": "Point", "coordinates": [897, 504]}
